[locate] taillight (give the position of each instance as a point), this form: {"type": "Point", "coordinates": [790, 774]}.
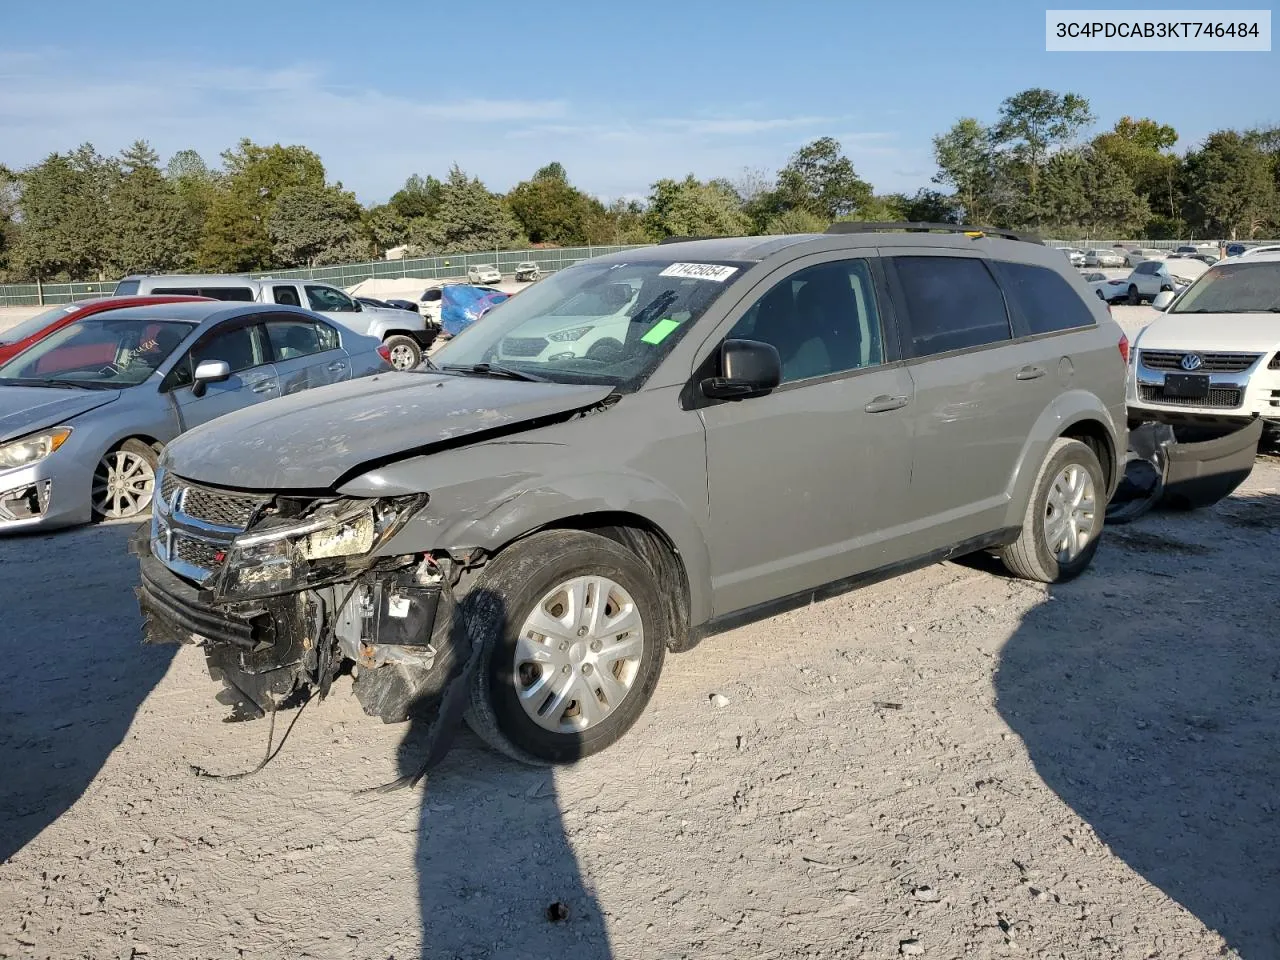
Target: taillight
{"type": "Point", "coordinates": [1124, 348]}
{"type": "Point", "coordinates": [384, 353]}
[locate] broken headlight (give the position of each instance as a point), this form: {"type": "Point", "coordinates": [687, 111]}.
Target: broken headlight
{"type": "Point", "coordinates": [283, 556]}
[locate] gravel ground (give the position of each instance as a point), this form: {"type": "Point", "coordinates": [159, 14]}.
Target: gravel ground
{"type": "Point", "coordinates": [950, 764]}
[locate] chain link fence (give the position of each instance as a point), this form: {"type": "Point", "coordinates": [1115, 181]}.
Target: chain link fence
{"type": "Point", "coordinates": [447, 266]}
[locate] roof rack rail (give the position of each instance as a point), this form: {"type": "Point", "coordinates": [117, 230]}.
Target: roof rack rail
{"type": "Point", "coordinates": [855, 226]}
{"type": "Point", "coordinates": [682, 239]}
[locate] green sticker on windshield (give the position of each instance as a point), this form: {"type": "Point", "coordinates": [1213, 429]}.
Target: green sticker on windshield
{"type": "Point", "coordinates": [660, 330]}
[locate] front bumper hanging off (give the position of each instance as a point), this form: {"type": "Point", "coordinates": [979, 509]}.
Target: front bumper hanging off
{"type": "Point", "coordinates": [400, 631]}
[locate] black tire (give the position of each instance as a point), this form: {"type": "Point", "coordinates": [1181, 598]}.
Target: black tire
{"type": "Point", "coordinates": [1028, 557]}
{"type": "Point", "coordinates": [139, 449]}
{"type": "Point", "coordinates": [1134, 299]}
{"type": "Point", "coordinates": [507, 591]}
{"type": "Point", "coordinates": [397, 344]}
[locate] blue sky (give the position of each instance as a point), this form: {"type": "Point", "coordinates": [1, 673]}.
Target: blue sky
{"type": "Point", "coordinates": [620, 93]}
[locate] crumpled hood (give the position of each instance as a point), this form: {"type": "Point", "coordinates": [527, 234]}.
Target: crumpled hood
{"type": "Point", "coordinates": [308, 440]}
{"type": "Point", "coordinates": [1212, 332]}
{"type": "Point", "coordinates": [24, 409]}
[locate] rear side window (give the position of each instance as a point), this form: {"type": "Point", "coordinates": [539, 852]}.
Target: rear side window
{"type": "Point", "coordinates": [953, 303]}
{"type": "Point", "coordinates": [216, 293]}
{"type": "Point", "coordinates": [126, 288]}
{"type": "Point", "coordinates": [1048, 301]}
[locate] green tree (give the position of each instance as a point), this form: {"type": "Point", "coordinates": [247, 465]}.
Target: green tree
{"type": "Point", "coordinates": [196, 186]}
{"type": "Point", "coordinates": [821, 179]}
{"type": "Point", "coordinates": [624, 223]}
{"type": "Point", "coordinates": [234, 239]}
{"type": "Point", "coordinates": [928, 206]}
{"type": "Point", "coordinates": [967, 163]}
{"type": "Point", "coordinates": [469, 218]}
{"type": "Point", "coordinates": [551, 210]}
{"type": "Point", "coordinates": [1086, 192]}
{"type": "Point", "coordinates": [386, 227]}
{"type": "Point", "coordinates": [1231, 185]}
{"type": "Point", "coordinates": [690, 208]}
{"type": "Point", "coordinates": [795, 221]}
{"type": "Point", "coordinates": [418, 198]}
{"type": "Point", "coordinates": [1141, 149]}
{"type": "Point", "coordinates": [261, 174]}
{"type": "Point", "coordinates": [316, 225]}
{"type": "Point", "coordinates": [63, 207]}
{"type": "Point", "coordinates": [1031, 125]}
{"type": "Point", "coordinates": [147, 230]}
{"type": "Point", "coordinates": [8, 218]}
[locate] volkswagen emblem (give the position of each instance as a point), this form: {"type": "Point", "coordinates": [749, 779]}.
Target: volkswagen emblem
{"type": "Point", "coordinates": [1191, 361]}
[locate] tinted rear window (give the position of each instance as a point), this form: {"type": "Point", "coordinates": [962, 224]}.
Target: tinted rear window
{"type": "Point", "coordinates": [126, 288]}
{"type": "Point", "coordinates": [953, 303]}
{"type": "Point", "coordinates": [217, 293]}
{"type": "Point", "coordinates": [1046, 299]}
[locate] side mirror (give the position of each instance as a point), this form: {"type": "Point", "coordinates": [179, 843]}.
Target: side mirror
{"type": "Point", "coordinates": [748, 368]}
{"type": "Point", "coordinates": [1162, 300]}
{"type": "Point", "coordinates": [209, 371]}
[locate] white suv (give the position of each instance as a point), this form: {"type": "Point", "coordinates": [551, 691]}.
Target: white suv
{"type": "Point", "coordinates": [1214, 355]}
{"type": "Point", "coordinates": [484, 273]}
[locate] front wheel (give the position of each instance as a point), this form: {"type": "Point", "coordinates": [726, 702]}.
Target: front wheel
{"type": "Point", "coordinates": [1134, 297]}
{"type": "Point", "coordinates": [573, 633]}
{"type": "Point", "coordinates": [124, 481]}
{"type": "Point", "coordinates": [404, 351]}
{"type": "Point", "coordinates": [1064, 517]}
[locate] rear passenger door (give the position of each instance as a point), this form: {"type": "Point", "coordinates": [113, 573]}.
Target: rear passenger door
{"type": "Point", "coordinates": [244, 348]}
{"type": "Point", "coordinates": [809, 484]}
{"type": "Point", "coordinates": [974, 392]}
{"type": "Point", "coordinates": [306, 353]}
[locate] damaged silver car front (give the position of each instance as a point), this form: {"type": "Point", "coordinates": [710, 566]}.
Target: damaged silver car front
{"type": "Point", "coordinates": [285, 592]}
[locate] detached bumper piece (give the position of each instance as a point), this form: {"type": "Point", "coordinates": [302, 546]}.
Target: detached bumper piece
{"type": "Point", "coordinates": [1184, 468]}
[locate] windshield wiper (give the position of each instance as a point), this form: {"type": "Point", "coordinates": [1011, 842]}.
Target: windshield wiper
{"type": "Point", "coordinates": [78, 384]}
{"type": "Point", "coordinates": [492, 370]}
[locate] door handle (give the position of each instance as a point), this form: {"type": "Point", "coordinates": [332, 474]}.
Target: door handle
{"type": "Point", "coordinates": [264, 386]}
{"type": "Point", "coordinates": [1031, 373]}
{"type": "Point", "coordinates": [336, 366]}
{"type": "Point", "coordinates": [884, 403]}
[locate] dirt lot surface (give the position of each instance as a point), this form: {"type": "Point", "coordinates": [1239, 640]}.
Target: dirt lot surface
{"type": "Point", "coordinates": [950, 764]}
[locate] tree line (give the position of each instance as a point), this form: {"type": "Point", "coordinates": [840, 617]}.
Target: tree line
{"type": "Point", "coordinates": [81, 215]}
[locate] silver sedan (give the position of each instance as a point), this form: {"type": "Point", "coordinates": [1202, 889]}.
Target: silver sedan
{"type": "Point", "coordinates": [85, 412]}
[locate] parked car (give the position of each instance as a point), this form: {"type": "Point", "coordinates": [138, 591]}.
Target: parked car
{"type": "Point", "coordinates": [1108, 288]}
{"type": "Point", "coordinates": [484, 273]}
{"type": "Point", "coordinates": [30, 331]}
{"type": "Point", "coordinates": [1103, 258]}
{"type": "Point", "coordinates": [372, 302]}
{"type": "Point", "coordinates": [399, 304]}
{"type": "Point", "coordinates": [1213, 355]}
{"type": "Point", "coordinates": [527, 270]}
{"type": "Point", "coordinates": [1137, 256]}
{"type": "Point", "coordinates": [85, 411]}
{"type": "Point", "coordinates": [404, 333]}
{"type": "Point", "coordinates": [1153, 276]}
{"type": "Point", "coordinates": [1261, 248]}
{"type": "Point", "coordinates": [552, 527]}
{"type": "Point", "coordinates": [463, 304]}
{"type": "Point", "coordinates": [1075, 256]}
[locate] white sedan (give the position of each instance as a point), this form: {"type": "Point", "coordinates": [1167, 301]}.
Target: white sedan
{"type": "Point", "coordinates": [1152, 277]}
{"type": "Point", "coordinates": [484, 273]}
{"type": "Point", "coordinates": [1109, 285]}
{"type": "Point", "coordinates": [1214, 353]}
{"type": "Point", "coordinates": [1103, 258]}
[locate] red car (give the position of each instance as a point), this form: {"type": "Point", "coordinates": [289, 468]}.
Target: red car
{"type": "Point", "coordinates": [16, 339]}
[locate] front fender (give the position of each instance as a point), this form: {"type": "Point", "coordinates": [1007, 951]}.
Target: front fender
{"type": "Point", "coordinates": [490, 514]}
{"type": "Point", "coordinates": [1068, 410]}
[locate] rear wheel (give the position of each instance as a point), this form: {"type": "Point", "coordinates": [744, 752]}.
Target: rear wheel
{"type": "Point", "coordinates": [404, 351]}
{"type": "Point", "coordinates": [1064, 518]}
{"type": "Point", "coordinates": [1134, 297]}
{"type": "Point", "coordinates": [124, 481]}
{"type": "Point", "coordinates": [573, 634]}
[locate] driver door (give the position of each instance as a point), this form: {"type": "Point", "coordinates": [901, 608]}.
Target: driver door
{"type": "Point", "coordinates": [337, 306]}
{"type": "Point", "coordinates": [809, 484]}
{"type": "Point", "coordinates": [253, 377]}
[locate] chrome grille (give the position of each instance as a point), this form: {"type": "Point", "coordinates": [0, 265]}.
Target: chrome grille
{"type": "Point", "coordinates": [196, 552]}
{"type": "Point", "coordinates": [1224, 398]}
{"type": "Point", "coordinates": [523, 346]}
{"type": "Point", "coordinates": [168, 484]}
{"type": "Point", "coordinates": [1212, 362]}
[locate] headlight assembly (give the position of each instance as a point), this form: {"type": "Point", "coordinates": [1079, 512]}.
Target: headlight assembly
{"type": "Point", "coordinates": [285, 556]}
{"type": "Point", "coordinates": [32, 449]}
{"type": "Point", "coordinates": [573, 333]}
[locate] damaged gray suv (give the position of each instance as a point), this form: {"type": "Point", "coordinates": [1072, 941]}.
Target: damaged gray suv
{"type": "Point", "coordinates": [642, 449]}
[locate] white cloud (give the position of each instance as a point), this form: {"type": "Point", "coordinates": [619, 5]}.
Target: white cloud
{"type": "Point", "coordinates": [371, 140]}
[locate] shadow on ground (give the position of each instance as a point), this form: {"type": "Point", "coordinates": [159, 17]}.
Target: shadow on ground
{"type": "Point", "coordinates": [70, 694]}
{"type": "Point", "coordinates": [520, 893]}
{"type": "Point", "coordinates": [1167, 740]}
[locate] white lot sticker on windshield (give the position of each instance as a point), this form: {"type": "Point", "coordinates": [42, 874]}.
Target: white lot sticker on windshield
{"type": "Point", "coordinates": [699, 271]}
